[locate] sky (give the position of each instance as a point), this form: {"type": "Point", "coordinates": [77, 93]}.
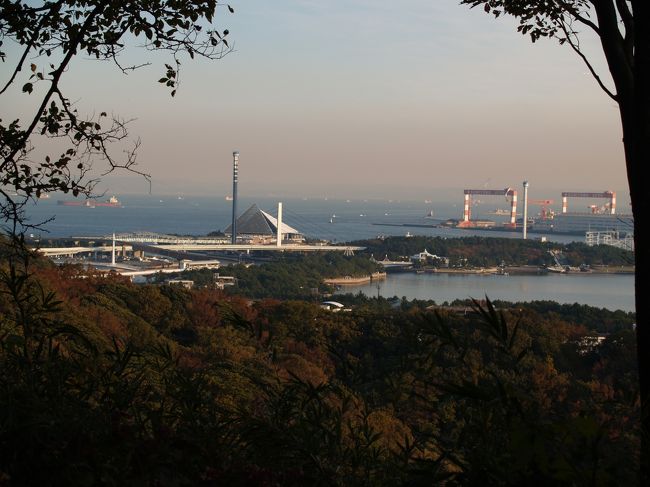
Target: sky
{"type": "Point", "coordinates": [363, 98]}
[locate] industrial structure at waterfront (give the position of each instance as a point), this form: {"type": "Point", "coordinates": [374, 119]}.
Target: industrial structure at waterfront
{"type": "Point", "coordinates": [255, 226]}
{"type": "Point", "coordinates": [598, 218]}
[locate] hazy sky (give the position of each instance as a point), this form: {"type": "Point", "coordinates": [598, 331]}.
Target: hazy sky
{"type": "Point", "coordinates": [370, 98]}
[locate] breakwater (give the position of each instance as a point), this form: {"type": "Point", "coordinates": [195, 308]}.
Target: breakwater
{"type": "Point", "coordinates": [351, 281]}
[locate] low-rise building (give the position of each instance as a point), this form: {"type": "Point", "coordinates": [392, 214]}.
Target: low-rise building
{"type": "Point", "coordinates": [221, 282]}
{"type": "Point", "coordinates": [187, 264]}
{"type": "Point", "coordinates": [334, 306]}
{"type": "Point", "coordinates": [426, 256]}
{"type": "Point", "coordinates": [180, 282]}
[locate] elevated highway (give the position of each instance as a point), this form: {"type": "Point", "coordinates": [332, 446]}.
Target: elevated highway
{"type": "Point", "coordinates": [170, 244]}
{"type": "Point", "coordinates": [258, 247]}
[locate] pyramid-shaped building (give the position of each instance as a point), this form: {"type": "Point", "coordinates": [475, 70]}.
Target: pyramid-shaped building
{"type": "Point", "coordinates": [257, 226]}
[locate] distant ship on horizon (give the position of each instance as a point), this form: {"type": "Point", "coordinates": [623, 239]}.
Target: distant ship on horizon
{"type": "Point", "coordinates": [112, 202]}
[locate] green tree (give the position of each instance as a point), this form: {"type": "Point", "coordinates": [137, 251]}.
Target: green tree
{"type": "Point", "coordinates": [623, 27]}
{"type": "Point", "coordinates": [39, 40]}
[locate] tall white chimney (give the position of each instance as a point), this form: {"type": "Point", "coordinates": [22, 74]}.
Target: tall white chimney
{"type": "Point", "coordinates": [113, 253]}
{"type": "Point", "coordinates": [525, 209]}
{"type": "Point", "coordinates": [279, 237]}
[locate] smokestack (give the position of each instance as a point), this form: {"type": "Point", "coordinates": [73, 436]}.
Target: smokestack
{"type": "Point", "coordinates": [279, 237]}
{"type": "Point", "coordinates": [235, 169]}
{"type": "Point", "coordinates": [113, 253]}
{"type": "Point", "coordinates": [513, 208]}
{"type": "Point", "coordinates": [466, 208]}
{"type": "Point", "coordinates": [525, 208]}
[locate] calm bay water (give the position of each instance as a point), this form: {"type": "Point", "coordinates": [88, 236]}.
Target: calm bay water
{"type": "Point", "coordinates": [610, 291]}
{"type": "Point", "coordinates": [342, 221]}
{"type": "Point", "coordinates": [334, 220]}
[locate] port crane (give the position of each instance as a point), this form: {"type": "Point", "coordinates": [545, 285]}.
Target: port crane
{"type": "Point", "coordinates": [610, 207]}
{"type": "Point", "coordinates": [507, 192]}
{"type": "Point", "coordinates": [544, 212]}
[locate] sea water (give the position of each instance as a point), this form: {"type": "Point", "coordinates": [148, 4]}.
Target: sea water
{"type": "Point", "coordinates": [318, 218]}
{"type": "Point", "coordinates": [609, 291]}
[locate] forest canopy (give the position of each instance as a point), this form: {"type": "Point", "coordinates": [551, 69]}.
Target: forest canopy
{"type": "Point", "coordinates": [173, 386]}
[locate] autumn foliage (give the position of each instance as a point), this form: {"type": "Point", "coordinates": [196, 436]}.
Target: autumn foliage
{"type": "Point", "coordinates": [106, 382]}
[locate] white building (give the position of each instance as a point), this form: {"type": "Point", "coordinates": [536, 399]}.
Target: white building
{"type": "Point", "coordinates": [426, 256]}
{"type": "Point", "coordinates": [257, 226]}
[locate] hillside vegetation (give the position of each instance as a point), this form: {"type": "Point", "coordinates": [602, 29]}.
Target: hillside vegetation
{"type": "Point", "coordinates": [490, 251]}
{"type": "Point", "coordinates": [106, 382]}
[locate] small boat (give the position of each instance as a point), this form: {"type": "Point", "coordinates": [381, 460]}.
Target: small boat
{"type": "Point", "coordinates": [557, 268]}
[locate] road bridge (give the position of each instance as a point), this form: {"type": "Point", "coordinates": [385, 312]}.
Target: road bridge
{"type": "Point", "coordinates": [193, 245]}
{"type": "Point", "coordinates": [258, 247]}
{"type": "Point", "coordinates": [180, 242]}
{"type": "Point", "coordinates": [158, 238]}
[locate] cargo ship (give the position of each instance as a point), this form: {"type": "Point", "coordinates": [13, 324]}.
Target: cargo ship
{"type": "Point", "coordinates": [112, 202]}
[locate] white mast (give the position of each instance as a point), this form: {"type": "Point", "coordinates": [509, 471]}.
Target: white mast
{"type": "Point", "coordinates": [279, 232]}
{"type": "Point", "coordinates": [113, 253]}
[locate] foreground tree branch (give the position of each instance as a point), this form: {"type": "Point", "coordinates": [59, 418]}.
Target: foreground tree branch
{"type": "Point", "coordinates": [52, 34]}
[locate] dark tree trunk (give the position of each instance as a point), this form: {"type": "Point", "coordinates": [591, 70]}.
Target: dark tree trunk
{"type": "Point", "coordinates": [637, 153]}
{"type": "Point", "coordinates": [628, 59]}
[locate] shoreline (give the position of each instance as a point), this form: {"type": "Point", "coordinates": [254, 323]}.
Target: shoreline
{"type": "Point", "coordinates": [524, 270]}
{"type": "Point", "coordinates": [341, 281]}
